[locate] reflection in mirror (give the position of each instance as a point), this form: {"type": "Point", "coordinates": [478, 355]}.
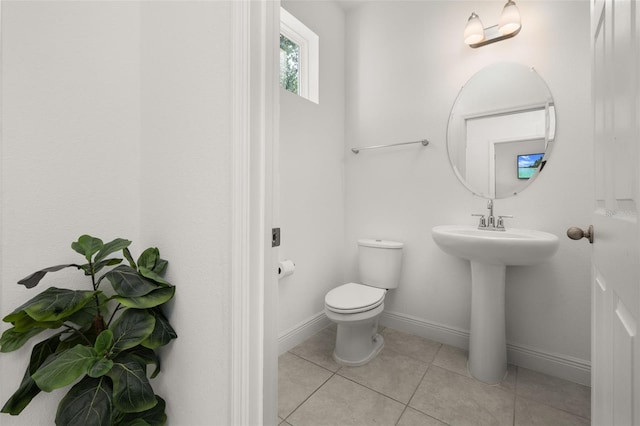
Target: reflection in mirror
{"type": "Point", "coordinates": [501, 130]}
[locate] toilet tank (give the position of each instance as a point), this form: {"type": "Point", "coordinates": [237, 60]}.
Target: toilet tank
{"type": "Point", "coordinates": [379, 262]}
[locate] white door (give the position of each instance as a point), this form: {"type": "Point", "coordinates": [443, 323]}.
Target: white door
{"type": "Point", "coordinates": [616, 263]}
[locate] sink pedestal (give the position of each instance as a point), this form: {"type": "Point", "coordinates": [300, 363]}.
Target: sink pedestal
{"type": "Point", "coordinates": [488, 343]}
{"type": "Point", "coordinates": [490, 252]}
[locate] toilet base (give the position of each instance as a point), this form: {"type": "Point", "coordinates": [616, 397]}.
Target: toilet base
{"type": "Point", "coordinates": [371, 350]}
{"type": "Point", "coordinates": [357, 337]}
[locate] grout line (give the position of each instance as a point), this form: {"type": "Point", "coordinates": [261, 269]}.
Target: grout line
{"type": "Point", "coordinates": [315, 363]}
{"type": "Point", "coordinates": [416, 390]}
{"type": "Point", "coordinates": [414, 393]}
{"type": "Point", "coordinates": [555, 408]}
{"type": "Point", "coordinates": [430, 364]}
{"type": "Point", "coordinates": [401, 414]}
{"type": "Point", "coordinates": [373, 390]}
{"type": "Point", "coordinates": [419, 383]}
{"type": "Point", "coordinates": [310, 395]}
{"type": "Point", "coordinates": [517, 395]}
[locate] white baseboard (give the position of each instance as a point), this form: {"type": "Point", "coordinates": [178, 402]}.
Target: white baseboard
{"type": "Point", "coordinates": [301, 332]}
{"type": "Point", "coordinates": [429, 330]}
{"type": "Point", "coordinates": [565, 367]}
{"type": "Point", "coordinates": [562, 366]}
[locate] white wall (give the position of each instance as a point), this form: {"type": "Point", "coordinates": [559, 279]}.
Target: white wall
{"type": "Point", "coordinates": [186, 195]}
{"type": "Point", "coordinates": [116, 122]}
{"type": "Point", "coordinates": [311, 176]}
{"type": "Point", "coordinates": [400, 85]}
{"type": "Point", "coordinates": [70, 150]}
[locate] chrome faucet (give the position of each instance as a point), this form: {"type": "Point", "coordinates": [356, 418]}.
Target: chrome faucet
{"type": "Point", "coordinates": [490, 223]}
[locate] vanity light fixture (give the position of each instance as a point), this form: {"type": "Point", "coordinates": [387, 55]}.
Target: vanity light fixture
{"type": "Point", "coordinates": [475, 35]}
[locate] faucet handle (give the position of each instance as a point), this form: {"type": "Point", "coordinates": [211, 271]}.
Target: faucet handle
{"type": "Point", "coordinates": [500, 224]}
{"type": "Point", "coordinates": [483, 220]}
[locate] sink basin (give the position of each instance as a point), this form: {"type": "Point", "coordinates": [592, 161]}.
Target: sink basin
{"type": "Point", "coordinates": [490, 252]}
{"type": "Point", "coordinates": [510, 247]}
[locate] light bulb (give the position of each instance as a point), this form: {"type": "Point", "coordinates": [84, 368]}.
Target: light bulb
{"type": "Point", "coordinates": [509, 19]}
{"type": "Point", "coordinates": [474, 31]}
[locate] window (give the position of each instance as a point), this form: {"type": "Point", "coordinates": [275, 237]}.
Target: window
{"type": "Point", "coordinates": [299, 57]}
{"type": "Point", "coordinates": [289, 63]}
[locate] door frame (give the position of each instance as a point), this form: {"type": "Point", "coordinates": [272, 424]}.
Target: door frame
{"type": "Point", "coordinates": [254, 286]}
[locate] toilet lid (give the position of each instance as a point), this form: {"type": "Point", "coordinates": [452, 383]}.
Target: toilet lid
{"type": "Point", "coordinates": [353, 298]}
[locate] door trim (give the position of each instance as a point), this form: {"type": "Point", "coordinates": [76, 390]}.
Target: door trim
{"type": "Point", "coordinates": [255, 123]}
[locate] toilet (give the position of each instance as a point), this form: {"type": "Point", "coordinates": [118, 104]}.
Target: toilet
{"type": "Point", "coordinates": [356, 307]}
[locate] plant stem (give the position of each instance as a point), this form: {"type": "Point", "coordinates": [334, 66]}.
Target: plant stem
{"type": "Point", "coordinates": [98, 321]}
{"type": "Point", "coordinates": [114, 313]}
{"type": "Point", "coordinates": [95, 288]}
{"type": "Point", "coordinates": [76, 331]}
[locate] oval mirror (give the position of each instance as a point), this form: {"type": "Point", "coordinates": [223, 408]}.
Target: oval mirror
{"type": "Point", "coordinates": [501, 130]}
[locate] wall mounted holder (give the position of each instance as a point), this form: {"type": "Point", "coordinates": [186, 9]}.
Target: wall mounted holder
{"type": "Point", "coordinates": [424, 142]}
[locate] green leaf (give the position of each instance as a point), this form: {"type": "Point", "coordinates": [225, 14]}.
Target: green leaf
{"type": "Point", "coordinates": [127, 255]}
{"type": "Point", "coordinates": [33, 279]}
{"type": "Point", "coordinates": [161, 267]}
{"type": "Point", "coordinates": [87, 246]}
{"type": "Point", "coordinates": [12, 339]}
{"type": "Point", "coordinates": [131, 328]}
{"type": "Point", "coordinates": [155, 298]}
{"type": "Point", "coordinates": [148, 273]}
{"type": "Point", "coordinates": [103, 342]}
{"type": "Point", "coordinates": [26, 323]}
{"type": "Point", "coordinates": [28, 388]}
{"type": "Point", "coordinates": [85, 316]}
{"type": "Point", "coordinates": [21, 397]}
{"type": "Point", "coordinates": [89, 402]}
{"type": "Point", "coordinates": [155, 416]}
{"type": "Point", "coordinates": [98, 266]}
{"type": "Point", "coordinates": [111, 247]}
{"type": "Point", "coordinates": [73, 340]}
{"type": "Point", "coordinates": [64, 368]}
{"type": "Point", "coordinates": [132, 392]}
{"type": "Point", "coordinates": [134, 422]}
{"type": "Point", "coordinates": [162, 334]}
{"type": "Point", "coordinates": [53, 304]}
{"type": "Point", "coordinates": [127, 282]}
{"type": "Point", "coordinates": [148, 258]}
{"type": "Point", "coordinates": [100, 368]}
{"type": "Point", "coordinates": [146, 356]}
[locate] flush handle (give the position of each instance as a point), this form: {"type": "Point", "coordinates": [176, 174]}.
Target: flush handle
{"type": "Point", "coordinates": [576, 233]}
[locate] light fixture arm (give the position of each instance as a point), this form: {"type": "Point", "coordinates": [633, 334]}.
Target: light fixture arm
{"type": "Point", "coordinates": [492, 35]}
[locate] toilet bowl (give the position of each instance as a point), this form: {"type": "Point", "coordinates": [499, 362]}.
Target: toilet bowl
{"type": "Point", "coordinates": [356, 307]}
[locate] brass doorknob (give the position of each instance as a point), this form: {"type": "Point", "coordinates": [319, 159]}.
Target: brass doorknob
{"type": "Point", "coordinates": [576, 233]}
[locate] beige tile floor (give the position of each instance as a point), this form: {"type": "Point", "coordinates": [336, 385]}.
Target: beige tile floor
{"type": "Point", "coordinates": [415, 381]}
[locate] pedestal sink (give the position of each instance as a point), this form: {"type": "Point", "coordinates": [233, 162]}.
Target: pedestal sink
{"type": "Point", "coordinates": [490, 252]}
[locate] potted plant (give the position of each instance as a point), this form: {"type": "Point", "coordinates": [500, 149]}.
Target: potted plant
{"type": "Point", "coordinates": [98, 341]}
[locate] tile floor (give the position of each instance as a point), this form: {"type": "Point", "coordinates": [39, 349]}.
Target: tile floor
{"type": "Point", "coordinates": [415, 381]}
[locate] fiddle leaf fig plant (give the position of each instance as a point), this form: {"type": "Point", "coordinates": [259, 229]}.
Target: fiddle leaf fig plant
{"type": "Point", "coordinates": [99, 341]}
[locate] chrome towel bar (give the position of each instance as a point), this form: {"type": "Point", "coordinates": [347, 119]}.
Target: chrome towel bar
{"type": "Point", "coordinates": [424, 142]}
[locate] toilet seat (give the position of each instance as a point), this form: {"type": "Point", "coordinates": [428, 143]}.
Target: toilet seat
{"type": "Point", "coordinates": [352, 298]}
